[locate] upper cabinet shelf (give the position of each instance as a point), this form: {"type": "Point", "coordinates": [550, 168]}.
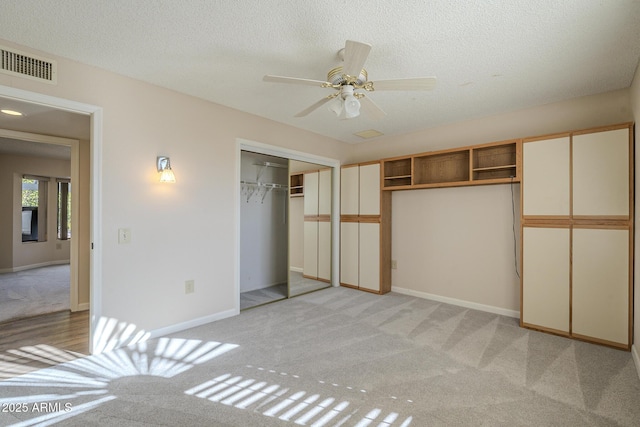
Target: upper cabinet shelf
{"type": "Point", "coordinates": [296, 185]}
{"type": "Point", "coordinates": [494, 163]}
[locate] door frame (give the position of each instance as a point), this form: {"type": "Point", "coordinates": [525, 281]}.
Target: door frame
{"type": "Point", "coordinates": [272, 150]}
{"type": "Point", "coordinates": [95, 115]}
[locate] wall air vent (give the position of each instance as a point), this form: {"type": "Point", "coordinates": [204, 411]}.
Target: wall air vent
{"type": "Point", "coordinates": [21, 64]}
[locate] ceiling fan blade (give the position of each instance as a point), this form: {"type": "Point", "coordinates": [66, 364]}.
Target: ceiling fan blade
{"type": "Point", "coordinates": [355, 54]}
{"type": "Point", "coordinates": [371, 108]}
{"type": "Point", "coordinates": [293, 80]}
{"type": "Point", "coordinates": [314, 106]}
{"type": "Point", "coordinates": [418, 83]}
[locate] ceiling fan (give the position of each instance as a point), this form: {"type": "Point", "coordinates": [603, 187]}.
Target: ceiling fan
{"type": "Point", "coordinates": [350, 78]}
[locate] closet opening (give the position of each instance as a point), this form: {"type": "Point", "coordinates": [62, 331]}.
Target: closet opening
{"type": "Point", "coordinates": [285, 227]}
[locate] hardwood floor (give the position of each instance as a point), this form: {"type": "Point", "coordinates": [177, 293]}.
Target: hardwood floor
{"type": "Point", "coordinates": [37, 342]}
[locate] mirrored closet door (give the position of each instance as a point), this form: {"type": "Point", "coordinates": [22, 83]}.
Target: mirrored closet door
{"type": "Point", "coordinates": [309, 227]}
{"type": "Point", "coordinates": [285, 228]}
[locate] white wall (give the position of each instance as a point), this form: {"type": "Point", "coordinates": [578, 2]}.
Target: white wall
{"type": "Point", "coordinates": [182, 231]}
{"type": "Point", "coordinates": [263, 225]}
{"type": "Point", "coordinates": [456, 242]}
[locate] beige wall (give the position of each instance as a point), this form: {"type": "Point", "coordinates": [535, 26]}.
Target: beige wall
{"type": "Point", "coordinates": [457, 243]}
{"type": "Point", "coordinates": [16, 255]}
{"type": "Point", "coordinates": [179, 232]}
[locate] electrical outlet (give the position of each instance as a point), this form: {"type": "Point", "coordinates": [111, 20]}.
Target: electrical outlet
{"type": "Point", "coordinates": [124, 235]}
{"type": "Point", "coordinates": [189, 286]}
{"type": "Point", "coordinates": [394, 264]}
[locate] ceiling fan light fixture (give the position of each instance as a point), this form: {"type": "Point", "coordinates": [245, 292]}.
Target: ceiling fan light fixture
{"type": "Point", "coordinates": [351, 103]}
{"type": "Point", "coordinates": [336, 106]}
{"type": "Point", "coordinates": [336, 77]}
{"type": "Point", "coordinates": [349, 77]}
{"type": "Point", "coordinates": [351, 106]}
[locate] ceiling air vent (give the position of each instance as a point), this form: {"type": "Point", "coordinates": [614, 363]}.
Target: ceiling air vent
{"type": "Point", "coordinates": [16, 63]}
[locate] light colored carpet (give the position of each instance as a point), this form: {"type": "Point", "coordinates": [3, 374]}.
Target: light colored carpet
{"type": "Point", "coordinates": [340, 357]}
{"type": "Point", "coordinates": [299, 285]}
{"type": "Point", "coordinates": [35, 291]}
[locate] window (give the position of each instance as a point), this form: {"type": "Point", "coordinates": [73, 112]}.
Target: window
{"type": "Point", "coordinates": [64, 209]}
{"type": "Point", "coordinates": [34, 209]}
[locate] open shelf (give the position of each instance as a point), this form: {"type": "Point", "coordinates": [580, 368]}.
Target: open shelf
{"type": "Point", "coordinates": [492, 163]}
{"type": "Point", "coordinates": [397, 172]}
{"type": "Point", "coordinates": [495, 162]}
{"type": "Point", "coordinates": [441, 168]}
{"type": "Point", "coordinates": [296, 185]}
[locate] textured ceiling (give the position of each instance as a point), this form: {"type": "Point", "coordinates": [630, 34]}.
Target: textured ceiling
{"type": "Point", "coordinates": [489, 56]}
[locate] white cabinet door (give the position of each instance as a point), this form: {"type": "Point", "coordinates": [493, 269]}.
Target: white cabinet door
{"type": "Point", "coordinates": [324, 192]}
{"type": "Point", "coordinates": [601, 173]}
{"type": "Point", "coordinates": [324, 250]}
{"type": "Point", "coordinates": [546, 270]}
{"type": "Point", "coordinates": [310, 257]}
{"type": "Point", "coordinates": [546, 177]}
{"type": "Point", "coordinates": [369, 189]}
{"type": "Point", "coordinates": [349, 253]}
{"type": "Point", "coordinates": [369, 248]}
{"type": "Point", "coordinates": [349, 190]}
{"type": "Point", "coordinates": [311, 193]}
{"type": "Point", "coordinates": [601, 284]}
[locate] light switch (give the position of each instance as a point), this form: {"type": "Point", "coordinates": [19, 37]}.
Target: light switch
{"type": "Point", "coordinates": [124, 235]}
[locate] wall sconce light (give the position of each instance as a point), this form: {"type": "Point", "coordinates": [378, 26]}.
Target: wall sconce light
{"type": "Point", "coordinates": [164, 167]}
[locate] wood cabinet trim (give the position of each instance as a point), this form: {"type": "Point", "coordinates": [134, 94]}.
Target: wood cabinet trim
{"type": "Point", "coordinates": [545, 329]}
{"type": "Point", "coordinates": [545, 137]}
{"type": "Point", "coordinates": [372, 219]}
{"type": "Point", "coordinates": [627, 125]}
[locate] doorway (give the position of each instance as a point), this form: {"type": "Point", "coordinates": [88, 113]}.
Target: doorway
{"type": "Point", "coordinates": [41, 271]}
{"type": "Point", "coordinates": [258, 182]}
{"type": "Point", "coordinates": [263, 229]}
{"type": "Point", "coordinates": [45, 116]}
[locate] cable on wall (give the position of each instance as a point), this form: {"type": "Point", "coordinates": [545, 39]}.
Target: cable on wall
{"type": "Point", "coordinates": [513, 222]}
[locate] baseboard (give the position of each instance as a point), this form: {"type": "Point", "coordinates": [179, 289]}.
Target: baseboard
{"type": "Point", "coordinates": [83, 307]}
{"type": "Point", "coordinates": [178, 327]}
{"type": "Point", "coordinates": [296, 269]}
{"type": "Point", "coordinates": [458, 302]}
{"type": "Point", "coordinates": [636, 358]}
{"type": "Point", "coordinates": [31, 266]}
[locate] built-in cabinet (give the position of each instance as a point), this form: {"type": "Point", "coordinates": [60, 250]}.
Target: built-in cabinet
{"type": "Point", "coordinates": [365, 229]}
{"type": "Point", "coordinates": [317, 225]}
{"type": "Point", "coordinates": [577, 231]}
{"type": "Point", "coordinates": [493, 163]}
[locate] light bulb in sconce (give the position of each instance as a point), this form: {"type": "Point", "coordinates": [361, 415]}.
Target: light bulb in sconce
{"type": "Point", "coordinates": [164, 168]}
